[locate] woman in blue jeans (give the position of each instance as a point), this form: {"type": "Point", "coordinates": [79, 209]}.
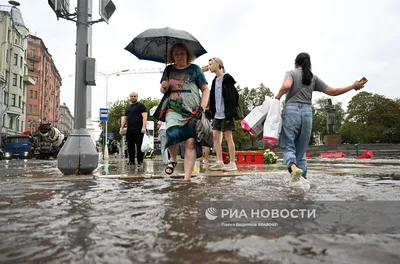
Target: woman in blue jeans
{"type": "Point", "coordinates": [299, 84]}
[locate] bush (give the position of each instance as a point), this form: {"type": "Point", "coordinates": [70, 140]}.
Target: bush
{"type": "Point", "coordinates": [270, 157]}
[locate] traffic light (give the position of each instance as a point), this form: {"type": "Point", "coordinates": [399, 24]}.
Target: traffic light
{"type": "Point", "coordinates": [107, 8]}
{"type": "Point", "coordinates": [59, 6]}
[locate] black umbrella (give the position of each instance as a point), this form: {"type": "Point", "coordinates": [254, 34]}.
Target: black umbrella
{"type": "Point", "coordinates": [154, 44]}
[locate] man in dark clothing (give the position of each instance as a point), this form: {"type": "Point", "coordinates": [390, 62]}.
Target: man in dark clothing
{"type": "Point", "coordinates": [136, 118]}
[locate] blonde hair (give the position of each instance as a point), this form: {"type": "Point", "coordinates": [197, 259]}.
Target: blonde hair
{"type": "Point", "coordinates": [189, 54]}
{"type": "Point", "coordinates": [217, 62]}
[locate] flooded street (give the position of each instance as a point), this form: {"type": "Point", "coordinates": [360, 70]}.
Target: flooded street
{"type": "Point", "coordinates": [109, 218]}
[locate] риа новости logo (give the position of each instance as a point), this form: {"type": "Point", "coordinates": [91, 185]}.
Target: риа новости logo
{"type": "Point", "coordinates": [211, 213]}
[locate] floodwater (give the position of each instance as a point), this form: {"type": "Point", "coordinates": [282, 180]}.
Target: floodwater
{"type": "Point", "coordinates": [114, 217]}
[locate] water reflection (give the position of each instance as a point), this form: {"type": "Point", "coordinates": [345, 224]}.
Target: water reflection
{"type": "Point", "coordinates": [157, 220]}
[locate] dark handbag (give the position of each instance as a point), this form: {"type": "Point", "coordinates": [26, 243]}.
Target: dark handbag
{"type": "Point", "coordinates": [157, 113]}
{"type": "Point", "coordinates": [204, 133]}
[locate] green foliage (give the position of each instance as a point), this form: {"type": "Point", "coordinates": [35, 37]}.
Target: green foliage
{"type": "Point", "coordinates": [240, 135]}
{"type": "Point", "coordinates": [270, 157]}
{"type": "Point", "coordinates": [371, 118]}
{"type": "Point", "coordinates": [149, 103]}
{"type": "Point", "coordinates": [319, 116]}
{"type": "Point", "coordinates": [117, 110]}
{"type": "Point", "coordinates": [250, 98]}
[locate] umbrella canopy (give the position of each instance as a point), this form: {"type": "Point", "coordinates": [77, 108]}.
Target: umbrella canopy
{"type": "Point", "coordinates": [154, 44]}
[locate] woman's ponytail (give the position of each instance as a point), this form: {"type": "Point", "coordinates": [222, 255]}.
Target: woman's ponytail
{"type": "Point", "coordinates": [304, 61]}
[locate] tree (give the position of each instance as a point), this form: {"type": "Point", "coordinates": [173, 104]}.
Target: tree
{"type": "Point", "coordinates": [319, 116]}
{"type": "Point", "coordinates": [150, 103]}
{"type": "Point", "coordinates": [240, 135]}
{"type": "Point", "coordinates": [248, 99]}
{"type": "Point", "coordinates": [371, 118]}
{"type": "Point", "coordinates": [117, 110]}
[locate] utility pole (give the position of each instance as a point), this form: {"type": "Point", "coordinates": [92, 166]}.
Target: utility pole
{"type": "Point", "coordinates": [79, 155]}
{"type": "Point", "coordinates": [105, 154]}
{"type": "Point", "coordinates": [89, 121]}
{"type": "Point", "coordinates": [105, 131]}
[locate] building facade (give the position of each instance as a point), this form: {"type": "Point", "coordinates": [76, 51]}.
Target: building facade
{"type": "Point", "coordinates": [13, 71]}
{"type": "Point", "coordinates": [66, 122]}
{"type": "Point", "coordinates": [43, 98]}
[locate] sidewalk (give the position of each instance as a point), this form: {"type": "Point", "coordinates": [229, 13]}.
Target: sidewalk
{"type": "Point", "coordinates": [153, 168]}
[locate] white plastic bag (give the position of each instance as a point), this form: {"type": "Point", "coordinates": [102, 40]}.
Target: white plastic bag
{"type": "Point", "coordinates": [254, 121]}
{"type": "Point", "coordinates": [273, 124]}
{"type": "Point", "coordinates": [146, 144]}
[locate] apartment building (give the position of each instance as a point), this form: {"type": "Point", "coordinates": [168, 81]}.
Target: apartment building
{"type": "Point", "coordinates": [43, 98]}
{"type": "Point", "coordinates": [13, 71]}
{"type": "Point", "coordinates": [66, 122]}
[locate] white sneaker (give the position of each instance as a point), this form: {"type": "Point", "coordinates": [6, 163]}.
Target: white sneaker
{"type": "Point", "coordinates": [217, 166]}
{"type": "Point", "coordinates": [230, 167]}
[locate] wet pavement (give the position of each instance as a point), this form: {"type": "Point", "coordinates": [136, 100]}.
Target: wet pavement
{"type": "Point", "coordinates": [122, 214]}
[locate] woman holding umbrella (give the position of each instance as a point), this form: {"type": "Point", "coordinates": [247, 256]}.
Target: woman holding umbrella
{"type": "Point", "coordinates": [183, 81]}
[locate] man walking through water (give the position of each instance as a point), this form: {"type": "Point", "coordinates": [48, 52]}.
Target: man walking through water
{"type": "Point", "coordinates": [136, 118]}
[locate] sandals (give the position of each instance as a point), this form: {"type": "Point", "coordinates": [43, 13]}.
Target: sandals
{"type": "Point", "coordinates": [170, 169]}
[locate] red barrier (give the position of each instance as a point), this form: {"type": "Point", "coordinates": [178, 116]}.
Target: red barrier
{"type": "Point", "coordinates": [308, 155]}
{"type": "Point", "coordinates": [366, 155]}
{"type": "Point", "coordinates": [332, 155]}
{"type": "Point", "coordinates": [245, 157]}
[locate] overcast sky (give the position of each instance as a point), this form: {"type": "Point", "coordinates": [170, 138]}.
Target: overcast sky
{"type": "Point", "coordinates": [257, 40]}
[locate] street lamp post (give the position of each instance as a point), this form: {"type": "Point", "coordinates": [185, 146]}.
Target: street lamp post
{"type": "Point", "coordinates": [107, 75]}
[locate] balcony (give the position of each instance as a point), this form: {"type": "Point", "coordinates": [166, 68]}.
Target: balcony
{"type": "Point", "coordinates": [28, 80]}
{"type": "Point", "coordinates": [14, 111]}
{"type": "Point", "coordinates": [34, 58]}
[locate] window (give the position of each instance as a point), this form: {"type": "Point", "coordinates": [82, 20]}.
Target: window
{"type": "Point", "coordinates": [35, 94]}
{"type": "Point", "coordinates": [14, 79]}
{"type": "Point", "coordinates": [19, 101]}
{"type": "Point", "coordinates": [32, 52]}
{"type": "Point", "coordinates": [20, 82]}
{"type": "Point", "coordinates": [12, 99]}
{"type": "Point", "coordinates": [22, 125]}
{"type": "Point", "coordinates": [15, 59]}
{"type": "Point", "coordinates": [30, 94]}
{"type": "Point", "coordinates": [34, 108]}
{"type": "Point", "coordinates": [7, 76]}
{"type": "Point", "coordinates": [10, 123]}
{"type": "Point", "coordinates": [7, 56]}
{"type": "Point", "coordinates": [31, 66]}
{"type": "Point", "coordinates": [5, 98]}
{"type": "Point", "coordinates": [30, 108]}
{"type": "Point", "coordinates": [9, 35]}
